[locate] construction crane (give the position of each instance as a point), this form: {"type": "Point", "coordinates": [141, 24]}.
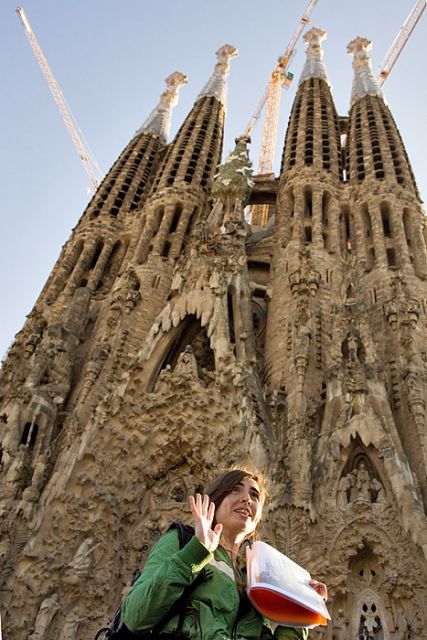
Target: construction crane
{"type": "Point", "coordinates": [400, 41]}
{"type": "Point", "coordinates": [271, 98]}
{"type": "Point", "coordinates": [64, 110]}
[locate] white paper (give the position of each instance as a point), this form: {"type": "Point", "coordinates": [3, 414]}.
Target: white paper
{"type": "Point", "coordinates": [268, 568]}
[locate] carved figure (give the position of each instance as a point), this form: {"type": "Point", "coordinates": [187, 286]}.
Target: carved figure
{"type": "Point", "coordinates": [341, 630]}
{"type": "Point", "coordinates": [33, 491]}
{"type": "Point", "coordinates": [98, 357]}
{"type": "Point", "coordinates": [187, 363]}
{"type": "Point", "coordinates": [402, 627]}
{"type": "Point", "coordinates": [363, 481]}
{"type": "Point", "coordinates": [344, 487]}
{"type": "Point", "coordinates": [16, 467]}
{"type": "Point", "coordinates": [71, 626]}
{"type": "Point", "coordinates": [80, 565]}
{"type": "Point", "coordinates": [45, 615]}
{"type": "Point", "coordinates": [378, 489]}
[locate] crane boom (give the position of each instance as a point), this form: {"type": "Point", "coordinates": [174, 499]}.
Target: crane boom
{"type": "Point", "coordinates": [271, 98]}
{"type": "Point", "coordinates": [400, 41]}
{"type": "Point", "coordinates": [59, 100]}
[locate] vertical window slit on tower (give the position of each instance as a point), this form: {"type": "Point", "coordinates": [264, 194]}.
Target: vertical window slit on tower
{"type": "Point", "coordinates": [346, 231]}
{"type": "Point", "coordinates": [357, 135]}
{"type": "Point", "coordinates": [309, 130]}
{"type": "Point", "coordinates": [385, 217]}
{"type": "Point", "coordinates": [374, 138]}
{"type": "Point", "coordinates": [292, 135]}
{"type": "Point", "coordinates": [176, 217]}
{"type": "Point", "coordinates": [325, 217]}
{"type": "Point", "coordinates": [325, 130]}
{"type": "Point", "coordinates": [308, 200]}
{"type": "Point", "coordinates": [367, 226]}
{"type": "Point", "coordinates": [407, 226]}
{"type": "Point", "coordinates": [98, 248]}
{"type": "Point", "coordinates": [392, 146]}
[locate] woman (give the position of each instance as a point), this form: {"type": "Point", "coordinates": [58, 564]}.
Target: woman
{"type": "Point", "coordinates": [218, 608]}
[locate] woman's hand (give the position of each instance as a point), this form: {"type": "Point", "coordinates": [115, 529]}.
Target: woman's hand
{"type": "Point", "coordinates": [203, 513]}
{"type": "Point", "coordinates": [320, 588]}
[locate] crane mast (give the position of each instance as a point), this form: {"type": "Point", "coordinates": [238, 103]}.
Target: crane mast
{"type": "Point", "coordinates": [400, 41]}
{"type": "Point", "coordinates": [59, 100]}
{"type": "Point", "coordinates": [271, 98]}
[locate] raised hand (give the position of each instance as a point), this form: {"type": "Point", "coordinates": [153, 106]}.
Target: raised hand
{"type": "Point", "coordinates": [203, 513]}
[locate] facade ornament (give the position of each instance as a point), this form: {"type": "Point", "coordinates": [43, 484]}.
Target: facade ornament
{"type": "Point", "coordinates": [80, 565]}
{"type": "Point", "coordinates": [45, 615]}
{"type": "Point", "coordinates": [401, 309]}
{"type": "Point", "coordinates": [341, 626]}
{"type": "Point", "coordinates": [159, 121]}
{"type": "Point", "coordinates": [305, 280]}
{"type": "Point", "coordinates": [97, 360]}
{"type": "Point", "coordinates": [314, 66]}
{"type": "Point", "coordinates": [358, 486]}
{"type": "Point", "coordinates": [402, 627]}
{"type": "Point", "coordinates": [217, 83]}
{"type": "Point", "coordinates": [233, 182]}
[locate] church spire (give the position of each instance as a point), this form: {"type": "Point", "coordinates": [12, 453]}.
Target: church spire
{"type": "Point", "coordinates": [217, 83]}
{"type": "Point", "coordinates": [314, 66]}
{"type": "Point", "coordinates": [364, 81]}
{"type": "Point", "coordinates": [159, 120]}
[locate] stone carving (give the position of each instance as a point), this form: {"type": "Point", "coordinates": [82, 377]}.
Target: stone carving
{"type": "Point", "coordinates": [45, 615]}
{"type": "Point", "coordinates": [233, 181]}
{"type": "Point", "coordinates": [82, 561]}
{"type": "Point", "coordinates": [98, 357]}
{"type": "Point", "coordinates": [71, 626]}
{"type": "Point", "coordinates": [51, 368]}
{"type": "Point", "coordinates": [401, 626]}
{"type": "Point", "coordinates": [187, 363]}
{"type": "Point", "coordinates": [132, 295]}
{"type": "Point", "coordinates": [358, 486]}
{"type": "Point", "coordinates": [341, 626]}
{"type": "Point", "coordinates": [37, 329]}
{"type": "Point", "coordinates": [32, 493]}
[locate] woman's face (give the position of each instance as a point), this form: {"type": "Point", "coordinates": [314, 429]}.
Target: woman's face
{"type": "Point", "coordinates": [241, 510]}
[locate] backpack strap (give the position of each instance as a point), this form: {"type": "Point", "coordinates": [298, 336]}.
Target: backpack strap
{"type": "Point", "coordinates": [185, 534]}
{"type": "Point", "coordinates": [117, 630]}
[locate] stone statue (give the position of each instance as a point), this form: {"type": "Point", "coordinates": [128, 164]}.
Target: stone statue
{"type": "Point", "coordinates": [187, 362]}
{"type": "Point", "coordinates": [363, 482]}
{"type": "Point", "coordinates": [71, 626]}
{"type": "Point", "coordinates": [15, 469]}
{"type": "Point", "coordinates": [344, 487]}
{"type": "Point", "coordinates": [45, 615]}
{"type": "Point", "coordinates": [378, 489]}
{"type": "Point", "coordinates": [341, 630]}
{"type": "Point", "coordinates": [401, 629]}
{"type": "Point", "coordinates": [80, 565]}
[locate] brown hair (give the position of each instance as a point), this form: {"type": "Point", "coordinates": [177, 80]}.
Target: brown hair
{"type": "Point", "coordinates": [225, 483]}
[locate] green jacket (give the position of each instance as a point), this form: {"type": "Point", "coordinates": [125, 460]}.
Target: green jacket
{"type": "Point", "coordinates": [212, 607]}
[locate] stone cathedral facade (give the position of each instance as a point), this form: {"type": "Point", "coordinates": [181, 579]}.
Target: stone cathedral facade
{"type": "Point", "coordinates": [173, 339]}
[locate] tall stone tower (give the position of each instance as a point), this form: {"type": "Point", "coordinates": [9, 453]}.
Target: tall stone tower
{"type": "Point", "coordinates": [174, 339]}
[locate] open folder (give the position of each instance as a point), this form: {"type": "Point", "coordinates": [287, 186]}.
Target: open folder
{"type": "Point", "coordinates": [279, 589]}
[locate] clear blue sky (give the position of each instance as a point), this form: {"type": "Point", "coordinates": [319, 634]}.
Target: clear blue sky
{"type": "Point", "coordinates": [110, 58]}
